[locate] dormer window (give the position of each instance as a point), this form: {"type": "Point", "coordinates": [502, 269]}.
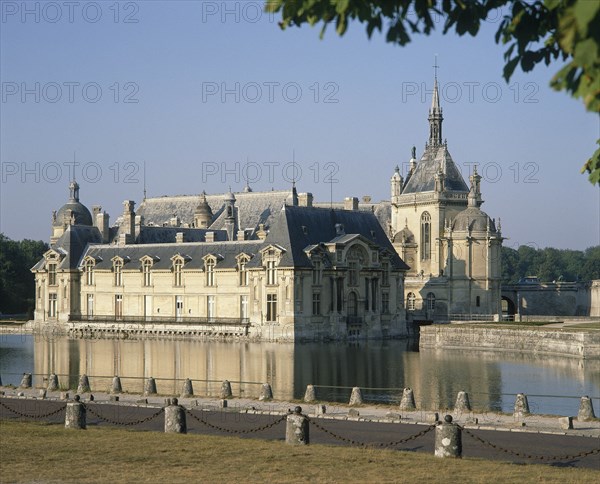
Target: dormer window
{"type": "Point", "coordinates": [52, 274]}
{"type": "Point", "coordinates": [244, 277]}
{"type": "Point", "coordinates": [118, 271]}
{"type": "Point", "coordinates": [147, 272]}
{"type": "Point", "coordinates": [210, 272]}
{"type": "Point", "coordinates": [89, 271]}
{"type": "Point", "coordinates": [178, 272]}
{"type": "Point", "coordinates": [271, 273]}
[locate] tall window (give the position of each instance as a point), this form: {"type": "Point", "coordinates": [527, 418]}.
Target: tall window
{"type": "Point", "coordinates": [89, 272]}
{"type": "Point", "coordinates": [385, 302]}
{"type": "Point", "coordinates": [316, 304]}
{"type": "Point", "coordinates": [271, 307]}
{"type": "Point", "coordinates": [210, 308]}
{"type": "Point", "coordinates": [411, 301]}
{"type": "Point", "coordinates": [210, 272]}
{"type": "Point", "coordinates": [118, 306]}
{"type": "Point", "coordinates": [146, 269]}
{"type": "Point", "coordinates": [243, 272]}
{"type": "Point", "coordinates": [478, 301]}
{"type": "Point", "coordinates": [430, 301]}
{"type": "Point", "coordinates": [52, 305]}
{"type": "Point", "coordinates": [118, 268]}
{"type": "Point", "coordinates": [177, 272]}
{"type": "Point", "coordinates": [316, 272]}
{"type": "Point", "coordinates": [385, 276]}
{"type": "Point", "coordinates": [52, 274]}
{"type": "Point", "coordinates": [425, 236]}
{"type": "Point", "coordinates": [271, 273]}
{"type": "Point", "coordinates": [353, 273]}
{"type": "Point", "coordinates": [244, 308]}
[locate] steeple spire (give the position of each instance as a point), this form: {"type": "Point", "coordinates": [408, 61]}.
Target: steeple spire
{"type": "Point", "coordinates": [435, 113]}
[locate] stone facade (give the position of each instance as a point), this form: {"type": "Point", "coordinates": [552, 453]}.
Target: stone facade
{"type": "Point", "coordinates": [300, 271]}
{"type": "Point", "coordinates": [437, 227]}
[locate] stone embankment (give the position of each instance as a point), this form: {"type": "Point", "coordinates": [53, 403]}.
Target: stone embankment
{"type": "Point", "coordinates": [563, 342]}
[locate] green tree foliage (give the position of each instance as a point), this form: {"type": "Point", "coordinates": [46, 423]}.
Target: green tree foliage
{"type": "Point", "coordinates": [17, 284]}
{"type": "Point", "coordinates": [550, 264]}
{"type": "Point", "coordinates": [535, 31]}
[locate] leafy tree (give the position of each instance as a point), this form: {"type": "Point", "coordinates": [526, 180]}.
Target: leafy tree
{"type": "Point", "coordinates": [550, 264]}
{"type": "Point", "coordinates": [17, 283]}
{"type": "Point", "coordinates": [535, 31]}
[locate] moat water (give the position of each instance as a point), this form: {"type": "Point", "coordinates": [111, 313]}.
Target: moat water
{"type": "Point", "coordinates": [436, 376]}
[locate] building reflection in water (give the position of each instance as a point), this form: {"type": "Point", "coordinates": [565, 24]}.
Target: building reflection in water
{"type": "Point", "coordinates": [435, 375]}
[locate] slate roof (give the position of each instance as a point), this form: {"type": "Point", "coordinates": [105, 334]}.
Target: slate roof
{"type": "Point", "coordinates": [293, 228]}
{"type": "Point", "coordinates": [299, 227]}
{"type": "Point", "coordinates": [165, 235]}
{"type": "Point", "coordinates": [72, 244]}
{"type": "Point", "coordinates": [422, 180]}
{"type": "Point", "coordinates": [252, 208]}
{"type": "Point", "coordinates": [162, 253]}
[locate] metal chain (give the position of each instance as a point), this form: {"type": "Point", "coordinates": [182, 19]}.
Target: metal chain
{"type": "Point", "coordinates": [530, 456]}
{"type": "Point", "coordinates": [115, 422]}
{"type": "Point", "coordinates": [21, 414]}
{"type": "Point", "coordinates": [233, 431]}
{"type": "Point", "coordinates": [372, 444]}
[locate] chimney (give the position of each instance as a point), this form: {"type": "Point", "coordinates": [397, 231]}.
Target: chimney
{"type": "Point", "coordinates": [179, 237]}
{"type": "Point", "coordinates": [351, 203]}
{"type": "Point", "coordinates": [101, 223]}
{"type": "Point", "coordinates": [305, 199]}
{"type": "Point", "coordinates": [129, 218]}
{"type": "Point", "coordinates": [122, 239]}
{"type": "Point", "coordinates": [210, 236]}
{"type": "Point", "coordinates": [139, 221]}
{"type": "Point", "coordinates": [174, 221]}
{"type": "Point", "coordinates": [241, 235]}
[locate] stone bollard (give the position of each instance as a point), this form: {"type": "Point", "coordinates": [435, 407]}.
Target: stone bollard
{"type": "Point", "coordinates": [566, 423]}
{"type": "Point", "coordinates": [116, 385]}
{"type": "Point", "coordinates": [26, 381]}
{"type": "Point", "coordinates": [266, 393]}
{"type": "Point", "coordinates": [356, 397]}
{"type": "Point", "coordinates": [462, 403]}
{"type": "Point", "coordinates": [296, 428]}
{"type": "Point", "coordinates": [84, 384]}
{"type": "Point", "coordinates": [586, 410]}
{"type": "Point", "coordinates": [226, 389]}
{"type": "Point", "coordinates": [75, 415]}
{"type": "Point", "coordinates": [188, 390]}
{"type": "Point", "coordinates": [64, 395]}
{"type": "Point", "coordinates": [175, 418]}
{"type": "Point", "coordinates": [150, 386]}
{"type": "Point", "coordinates": [521, 406]}
{"type": "Point", "coordinates": [309, 395]}
{"type": "Point", "coordinates": [448, 439]}
{"type": "Point", "coordinates": [223, 403]}
{"type": "Point", "coordinates": [320, 409]}
{"type": "Point", "coordinates": [42, 394]}
{"type": "Point", "coordinates": [432, 418]}
{"type": "Point", "coordinates": [52, 383]}
{"type": "Point", "coordinates": [408, 400]}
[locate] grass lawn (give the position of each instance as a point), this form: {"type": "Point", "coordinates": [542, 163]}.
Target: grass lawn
{"type": "Point", "coordinates": [35, 452]}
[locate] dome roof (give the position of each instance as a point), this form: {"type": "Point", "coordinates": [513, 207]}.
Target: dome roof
{"type": "Point", "coordinates": [78, 209]}
{"type": "Point", "coordinates": [474, 219]}
{"type": "Point", "coordinates": [203, 207]}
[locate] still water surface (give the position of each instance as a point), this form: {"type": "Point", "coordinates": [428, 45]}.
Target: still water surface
{"type": "Point", "coordinates": [491, 379]}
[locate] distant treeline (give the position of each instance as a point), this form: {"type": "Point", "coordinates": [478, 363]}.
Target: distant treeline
{"type": "Point", "coordinates": [17, 284]}
{"type": "Point", "coordinates": [550, 265]}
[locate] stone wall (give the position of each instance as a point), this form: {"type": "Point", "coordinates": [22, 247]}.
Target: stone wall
{"type": "Point", "coordinates": [553, 299]}
{"type": "Point", "coordinates": [580, 344]}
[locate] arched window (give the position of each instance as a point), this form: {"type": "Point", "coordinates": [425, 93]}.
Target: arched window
{"type": "Point", "coordinates": [430, 301]}
{"type": "Point", "coordinates": [411, 301]}
{"type": "Point", "coordinates": [425, 236]}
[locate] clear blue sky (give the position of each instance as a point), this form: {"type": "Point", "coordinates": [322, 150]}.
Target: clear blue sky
{"type": "Point", "coordinates": [195, 71]}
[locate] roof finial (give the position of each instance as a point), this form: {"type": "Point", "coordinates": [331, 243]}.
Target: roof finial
{"type": "Point", "coordinates": [435, 67]}
{"type": "Point", "coordinates": [144, 180]}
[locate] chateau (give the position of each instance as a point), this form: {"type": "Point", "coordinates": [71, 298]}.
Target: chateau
{"type": "Point", "coordinates": [276, 265]}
